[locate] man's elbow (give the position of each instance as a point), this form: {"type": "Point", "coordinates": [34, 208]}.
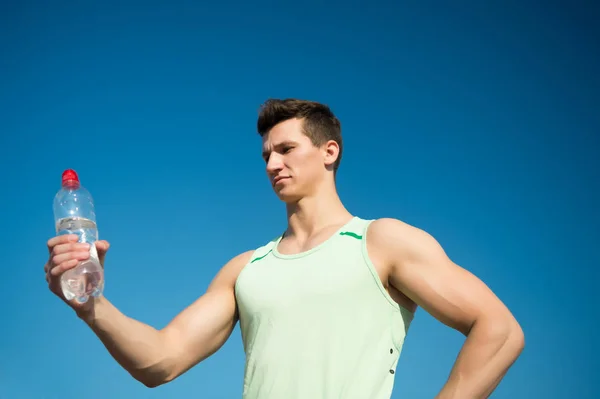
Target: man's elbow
{"type": "Point", "coordinates": [155, 376]}
{"type": "Point", "coordinates": [152, 381]}
{"type": "Point", "coordinates": [508, 331]}
{"type": "Point", "coordinates": [503, 330]}
{"type": "Point", "coordinates": [515, 338]}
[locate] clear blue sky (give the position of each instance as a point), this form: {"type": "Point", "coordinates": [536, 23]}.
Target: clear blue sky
{"type": "Point", "coordinates": [476, 122]}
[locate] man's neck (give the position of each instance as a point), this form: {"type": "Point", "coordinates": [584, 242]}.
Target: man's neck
{"type": "Point", "coordinates": [312, 214]}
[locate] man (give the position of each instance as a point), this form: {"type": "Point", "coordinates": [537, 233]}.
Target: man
{"type": "Point", "coordinates": [325, 307]}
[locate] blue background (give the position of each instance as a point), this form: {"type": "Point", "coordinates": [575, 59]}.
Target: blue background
{"type": "Point", "coordinates": [476, 122]}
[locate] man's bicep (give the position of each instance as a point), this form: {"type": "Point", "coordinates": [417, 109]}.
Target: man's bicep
{"type": "Point", "coordinates": [422, 270]}
{"type": "Point", "coordinates": [205, 325]}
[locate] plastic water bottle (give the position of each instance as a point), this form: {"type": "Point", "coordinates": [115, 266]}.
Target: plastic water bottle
{"type": "Point", "coordinates": [74, 213]}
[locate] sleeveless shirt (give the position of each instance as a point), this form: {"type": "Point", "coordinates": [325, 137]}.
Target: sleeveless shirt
{"type": "Point", "coordinates": [319, 324]}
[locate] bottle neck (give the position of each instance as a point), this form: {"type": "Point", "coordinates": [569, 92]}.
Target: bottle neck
{"type": "Point", "coordinates": [71, 185]}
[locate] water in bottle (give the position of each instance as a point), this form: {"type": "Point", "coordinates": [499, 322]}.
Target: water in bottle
{"type": "Point", "coordinates": [74, 213]}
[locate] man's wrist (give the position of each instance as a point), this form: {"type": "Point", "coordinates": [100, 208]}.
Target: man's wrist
{"type": "Point", "coordinates": [90, 311]}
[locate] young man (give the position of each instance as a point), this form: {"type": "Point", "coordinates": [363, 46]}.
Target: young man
{"type": "Point", "coordinates": [325, 307]}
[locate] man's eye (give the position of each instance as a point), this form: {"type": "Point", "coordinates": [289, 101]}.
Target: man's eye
{"type": "Point", "coordinates": [287, 149]}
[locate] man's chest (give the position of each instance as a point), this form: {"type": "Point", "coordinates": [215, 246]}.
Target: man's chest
{"type": "Point", "coordinates": [292, 285]}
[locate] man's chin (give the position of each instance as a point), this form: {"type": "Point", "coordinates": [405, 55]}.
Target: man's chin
{"type": "Point", "coordinates": [287, 196]}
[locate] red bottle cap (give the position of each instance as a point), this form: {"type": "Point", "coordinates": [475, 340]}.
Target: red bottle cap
{"type": "Point", "coordinates": [70, 179]}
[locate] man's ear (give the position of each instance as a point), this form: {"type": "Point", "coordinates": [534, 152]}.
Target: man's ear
{"type": "Point", "coordinates": [331, 152]}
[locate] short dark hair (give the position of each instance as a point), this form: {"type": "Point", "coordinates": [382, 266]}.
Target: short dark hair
{"type": "Point", "coordinates": [319, 122]}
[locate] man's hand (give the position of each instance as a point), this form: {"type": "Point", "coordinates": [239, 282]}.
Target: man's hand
{"type": "Point", "coordinates": [419, 268]}
{"type": "Point", "coordinates": [64, 254]}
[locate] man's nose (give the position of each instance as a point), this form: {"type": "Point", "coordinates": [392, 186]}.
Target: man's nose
{"type": "Point", "coordinates": [274, 164]}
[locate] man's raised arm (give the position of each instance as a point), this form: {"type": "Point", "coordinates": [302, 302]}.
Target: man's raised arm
{"type": "Point", "coordinates": [152, 356]}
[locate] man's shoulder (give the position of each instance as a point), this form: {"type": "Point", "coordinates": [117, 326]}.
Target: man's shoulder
{"type": "Point", "coordinates": [234, 266]}
{"type": "Point", "coordinates": [242, 259]}
{"type": "Point", "coordinates": [395, 235]}
{"type": "Point", "coordinates": [263, 250]}
{"type": "Point", "coordinates": [396, 228]}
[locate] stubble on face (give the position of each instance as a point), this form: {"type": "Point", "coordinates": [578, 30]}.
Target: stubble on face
{"type": "Point", "coordinates": [293, 164]}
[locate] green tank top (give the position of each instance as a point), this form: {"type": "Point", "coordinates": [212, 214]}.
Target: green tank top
{"type": "Point", "coordinates": [319, 324]}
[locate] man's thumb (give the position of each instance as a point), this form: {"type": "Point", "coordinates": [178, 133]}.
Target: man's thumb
{"type": "Point", "coordinates": [102, 246]}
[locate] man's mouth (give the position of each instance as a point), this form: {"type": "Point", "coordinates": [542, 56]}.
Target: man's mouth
{"type": "Point", "coordinates": [278, 179]}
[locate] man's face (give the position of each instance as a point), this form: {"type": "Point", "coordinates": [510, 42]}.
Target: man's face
{"type": "Point", "coordinates": [295, 167]}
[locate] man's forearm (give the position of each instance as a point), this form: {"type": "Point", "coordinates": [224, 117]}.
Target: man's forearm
{"type": "Point", "coordinates": [137, 347]}
{"type": "Point", "coordinates": [484, 359]}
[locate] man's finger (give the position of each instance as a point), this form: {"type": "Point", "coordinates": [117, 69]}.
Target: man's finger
{"type": "Point", "coordinates": [63, 239]}
{"type": "Point", "coordinates": [80, 255]}
{"type": "Point", "coordinates": [70, 247]}
{"type": "Point", "coordinates": [63, 267]}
